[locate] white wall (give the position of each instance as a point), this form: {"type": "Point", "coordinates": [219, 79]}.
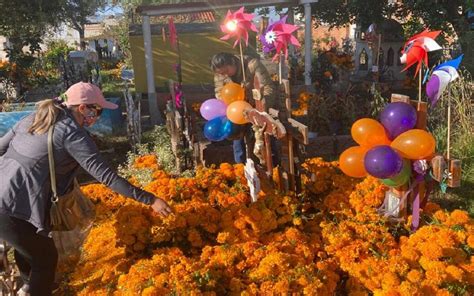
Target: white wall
{"type": "Point", "coordinates": [64, 32]}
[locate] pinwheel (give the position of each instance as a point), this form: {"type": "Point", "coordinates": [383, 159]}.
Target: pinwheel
{"type": "Point", "coordinates": [442, 75]}
{"type": "Point", "coordinates": [269, 36]}
{"type": "Point", "coordinates": [417, 47]}
{"type": "Point", "coordinates": [278, 36]}
{"type": "Point", "coordinates": [237, 24]}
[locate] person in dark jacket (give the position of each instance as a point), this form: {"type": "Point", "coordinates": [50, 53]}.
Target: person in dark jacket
{"type": "Point", "coordinates": [25, 187]}
{"type": "Point", "coordinates": [227, 68]}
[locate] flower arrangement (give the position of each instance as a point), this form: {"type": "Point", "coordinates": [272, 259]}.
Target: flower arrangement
{"type": "Point", "coordinates": [304, 99]}
{"type": "Point", "coordinates": [329, 239]}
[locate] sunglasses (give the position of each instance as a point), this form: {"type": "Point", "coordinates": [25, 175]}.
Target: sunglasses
{"type": "Point", "coordinates": [98, 110]}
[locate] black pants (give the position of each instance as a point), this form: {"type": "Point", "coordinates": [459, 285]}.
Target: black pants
{"type": "Point", "coordinates": [35, 255]}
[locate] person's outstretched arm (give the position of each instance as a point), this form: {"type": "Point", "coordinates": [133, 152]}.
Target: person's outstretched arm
{"type": "Point", "coordinates": [83, 149]}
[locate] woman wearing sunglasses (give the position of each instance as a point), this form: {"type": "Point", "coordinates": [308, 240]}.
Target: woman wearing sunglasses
{"type": "Point", "coordinates": [25, 189]}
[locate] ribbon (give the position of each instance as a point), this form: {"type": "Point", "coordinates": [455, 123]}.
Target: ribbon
{"type": "Point", "coordinates": [383, 210]}
{"type": "Point", "coordinates": [391, 214]}
{"type": "Point", "coordinates": [178, 95]}
{"type": "Point", "coordinates": [415, 217]}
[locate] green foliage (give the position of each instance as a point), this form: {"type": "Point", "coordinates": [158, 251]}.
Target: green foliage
{"type": "Point", "coordinates": [24, 23]}
{"type": "Point", "coordinates": [460, 94]}
{"type": "Point", "coordinates": [142, 175]}
{"type": "Point", "coordinates": [160, 145]}
{"type": "Point", "coordinates": [76, 12]}
{"type": "Point", "coordinates": [121, 35]}
{"type": "Point", "coordinates": [332, 113]}
{"type": "Point", "coordinates": [415, 15]}
{"type": "Point", "coordinates": [57, 49]}
{"type": "Point", "coordinates": [339, 13]}
{"type": "Point", "coordinates": [162, 148]}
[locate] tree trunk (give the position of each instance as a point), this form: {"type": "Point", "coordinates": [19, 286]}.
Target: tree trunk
{"type": "Point", "coordinates": [82, 43]}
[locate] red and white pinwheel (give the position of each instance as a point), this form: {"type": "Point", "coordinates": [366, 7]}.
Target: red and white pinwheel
{"type": "Point", "coordinates": [237, 24]}
{"type": "Point", "coordinates": [417, 47]}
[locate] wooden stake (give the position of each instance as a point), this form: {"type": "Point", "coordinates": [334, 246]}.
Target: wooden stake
{"type": "Point", "coordinates": [378, 57]}
{"type": "Point", "coordinates": [242, 62]}
{"type": "Point", "coordinates": [280, 69]}
{"type": "Point", "coordinates": [419, 83]}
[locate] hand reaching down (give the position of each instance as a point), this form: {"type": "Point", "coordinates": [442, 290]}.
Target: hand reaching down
{"type": "Point", "coordinates": [161, 207]}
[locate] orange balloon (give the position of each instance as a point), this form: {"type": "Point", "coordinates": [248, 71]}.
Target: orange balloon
{"type": "Point", "coordinates": [351, 162]}
{"type": "Point", "coordinates": [415, 144]}
{"type": "Point", "coordinates": [235, 112]}
{"type": "Point", "coordinates": [232, 92]}
{"type": "Point", "coordinates": [368, 132]}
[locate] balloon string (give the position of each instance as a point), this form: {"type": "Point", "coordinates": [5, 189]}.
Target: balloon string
{"type": "Point", "coordinates": [242, 62]}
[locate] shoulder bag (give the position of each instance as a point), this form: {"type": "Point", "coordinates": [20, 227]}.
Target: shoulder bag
{"type": "Point", "coordinates": [71, 209]}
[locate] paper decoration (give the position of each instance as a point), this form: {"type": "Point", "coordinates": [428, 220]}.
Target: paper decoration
{"type": "Point", "coordinates": [415, 50]}
{"type": "Point", "coordinates": [236, 25]}
{"type": "Point", "coordinates": [172, 33]}
{"type": "Point", "coordinates": [442, 75]}
{"type": "Point", "coordinates": [252, 179]}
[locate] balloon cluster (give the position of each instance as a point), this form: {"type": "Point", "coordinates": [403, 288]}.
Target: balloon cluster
{"type": "Point", "coordinates": [224, 116]}
{"type": "Point", "coordinates": [387, 147]}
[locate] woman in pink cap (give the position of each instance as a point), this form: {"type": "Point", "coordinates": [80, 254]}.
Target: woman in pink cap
{"type": "Point", "coordinates": [25, 187]}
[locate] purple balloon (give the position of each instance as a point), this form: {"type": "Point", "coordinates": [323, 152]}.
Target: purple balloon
{"type": "Point", "coordinates": [383, 162]}
{"type": "Point", "coordinates": [213, 108]}
{"type": "Point", "coordinates": [398, 118]}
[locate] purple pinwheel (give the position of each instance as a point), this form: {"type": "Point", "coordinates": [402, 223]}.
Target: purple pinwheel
{"type": "Point", "coordinates": [269, 36]}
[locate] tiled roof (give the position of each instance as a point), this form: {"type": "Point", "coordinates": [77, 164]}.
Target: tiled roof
{"type": "Point", "coordinates": [186, 18]}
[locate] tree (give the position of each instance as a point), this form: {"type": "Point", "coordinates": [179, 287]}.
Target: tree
{"type": "Point", "coordinates": [24, 23]}
{"type": "Point", "coordinates": [76, 13]}
{"type": "Point", "coordinates": [446, 15]}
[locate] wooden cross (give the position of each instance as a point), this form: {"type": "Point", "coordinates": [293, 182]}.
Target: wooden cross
{"type": "Point", "coordinates": [292, 156]}
{"type": "Point", "coordinates": [180, 127]}
{"type": "Point", "coordinates": [265, 124]}
{"type": "Point", "coordinates": [284, 128]}
{"type": "Point", "coordinates": [397, 205]}
{"type": "Point", "coordinates": [134, 127]}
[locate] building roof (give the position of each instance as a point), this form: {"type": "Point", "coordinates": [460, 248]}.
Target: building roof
{"type": "Point", "coordinates": [186, 18]}
{"type": "Point", "coordinates": [191, 6]}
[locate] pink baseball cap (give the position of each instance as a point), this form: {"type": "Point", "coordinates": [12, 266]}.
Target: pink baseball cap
{"type": "Point", "coordinates": [87, 93]}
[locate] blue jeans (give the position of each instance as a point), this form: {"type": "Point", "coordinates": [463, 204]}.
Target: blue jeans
{"type": "Point", "coordinates": [240, 151]}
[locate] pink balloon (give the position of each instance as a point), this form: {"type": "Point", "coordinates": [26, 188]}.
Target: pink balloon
{"type": "Point", "coordinates": [213, 108]}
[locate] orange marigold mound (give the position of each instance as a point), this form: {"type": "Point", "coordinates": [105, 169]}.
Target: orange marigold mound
{"type": "Point", "coordinates": [219, 243]}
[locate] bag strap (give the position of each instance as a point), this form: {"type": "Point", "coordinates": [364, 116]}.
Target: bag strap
{"type": "Point", "coordinates": [52, 171]}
